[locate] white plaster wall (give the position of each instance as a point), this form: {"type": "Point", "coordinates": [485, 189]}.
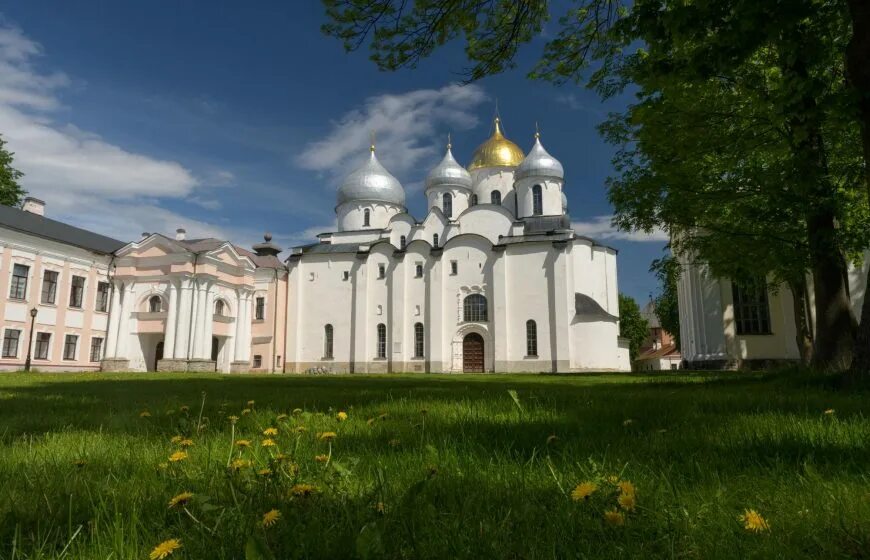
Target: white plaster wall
{"type": "Point", "coordinates": [551, 196]}
{"type": "Point", "coordinates": [485, 220]}
{"type": "Point", "coordinates": [486, 180]}
{"type": "Point", "coordinates": [351, 215]}
{"type": "Point", "coordinates": [461, 198]}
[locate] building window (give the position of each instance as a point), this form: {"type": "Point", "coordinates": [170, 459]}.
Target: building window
{"type": "Point", "coordinates": [495, 197]}
{"type": "Point", "coordinates": [537, 201]}
{"type": "Point", "coordinates": [382, 340]}
{"type": "Point", "coordinates": [102, 296]}
{"type": "Point", "coordinates": [18, 289]}
{"type": "Point", "coordinates": [419, 270]}
{"type": "Point", "coordinates": [42, 341]}
{"type": "Point", "coordinates": [447, 202]}
{"type": "Point", "coordinates": [219, 308]}
{"type": "Point", "coordinates": [155, 304]}
{"type": "Point", "coordinates": [69, 346]}
{"type": "Point", "coordinates": [327, 341]}
{"type": "Point", "coordinates": [474, 308]}
{"type": "Point", "coordinates": [10, 343]}
{"type": "Point", "coordinates": [260, 309]}
{"type": "Point", "coordinates": [402, 241]}
{"type": "Point", "coordinates": [751, 312]}
{"type": "Point", "coordinates": [96, 349]}
{"type": "Point", "coordinates": [258, 361]}
{"type": "Point", "coordinates": [367, 217]}
{"type": "Point", "coordinates": [77, 291]}
{"type": "Point", "coordinates": [531, 338]}
{"type": "Point", "coordinates": [435, 240]}
{"type": "Point", "coordinates": [382, 271]}
{"type": "Point", "coordinates": [345, 275]}
{"type": "Point", "coordinates": [418, 340]}
{"type": "Point", "coordinates": [454, 268]}
{"type": "Point", "coordinates": [49, 287]}
{"type": "Point", "coordinates": [474, 200]}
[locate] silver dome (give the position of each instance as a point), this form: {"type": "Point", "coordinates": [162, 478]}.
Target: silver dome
{"type": "Point", "coordinates": [564, 202]}
{"type": "Point", "coordinates": [539, 163]}
{"type": "Point", "coordinates": [371, 182]}
{"type": "Point", "coordinates": [448, 172]}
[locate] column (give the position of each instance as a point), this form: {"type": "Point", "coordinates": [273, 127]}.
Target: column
{"type": "Point", "coordinates": [560, 330]}
{"type": "Point", "coordinates": [182, 331]}
{"type": "Point", "coordinates": [114, 319]}
{"type": "Point", "coordinates": [238, 335]}
{"type": "Point", "coordinates": [171, 319]}
{"type": "Point", "coordinates": [207, 320]}
{"type": "Point", "coordinates": [124, 321]}
{"type": "Point", "coordinates": [195, 324]}
{"type": "Point", "coordinates": [246, 328]}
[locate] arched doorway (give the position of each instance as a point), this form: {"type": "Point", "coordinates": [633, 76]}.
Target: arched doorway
{"type": "Point", "coordinates": [158, 354]}
{"type": "Point", "coordinates": [472, 353]}
{"type": "Point", "coordinates": [215, 348]}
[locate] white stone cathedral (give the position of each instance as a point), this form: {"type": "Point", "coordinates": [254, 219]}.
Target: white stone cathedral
{"type": "Point", "coordinates": [492, 279]}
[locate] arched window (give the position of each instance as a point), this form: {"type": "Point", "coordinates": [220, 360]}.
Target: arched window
{"type": "Point", "coordinates": [447, 204]}
{"type": "Point", "coordinates": [474, 308]}
{"type": "Point", "coordinates": [531, 338]}
{"type": "Point", "coordinates": [537, 201]}
{"type": "Point", "coordinates": [382, 340]}
{"type": "Point", "coordinates": [155, 304]}
{"type": "Point", "coordinates": [367, 217]}
{"type": "Point", "coordinates": [435, 240]}
{"type": "Point", "coordinates": [402, 241]}
{"type": "Point", "coordinates": [495, 197]}
{"type": "Point", "coordinates": [327, 341]}
{"type": "Point", "coordinates": [474, 200]}
{"type": "Point", "coordinates": [219, 308]}
{"type": "Point", "coordinates": [418, 340]}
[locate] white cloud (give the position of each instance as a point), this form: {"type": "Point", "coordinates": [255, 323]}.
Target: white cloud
{"type": "Point", "coordinates": [601, 227]}
{"type": "Point", "coordinates": [405, 127]}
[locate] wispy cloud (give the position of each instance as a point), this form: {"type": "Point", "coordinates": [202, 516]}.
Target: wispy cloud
{"type": "Point", "coordinates": [601, 227]}
{"type": "Point", "coordinates": [405, 127]}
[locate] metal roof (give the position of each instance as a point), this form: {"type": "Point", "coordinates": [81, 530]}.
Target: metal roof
{"type": "Point", "coordinates": [585, 305]}
{"type": "Point", "coordinates": [40, 226]}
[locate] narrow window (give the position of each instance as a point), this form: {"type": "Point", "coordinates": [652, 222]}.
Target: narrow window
{"type": "Point", "coordinates": [402, 241]}
{"type": "Point", "coordinates": [18, 289]}
{"type": "Point", "coordinates": [96, 349]}
{"type": "Point", "coordinates": [77, 291]}
{"type": "Point", "coordinates": [751, 311]}
{"type": "Point", "coordinates": [474, 308]}
{"type": "Point", "coordinates": [454, 268]}
{"type": "Point", "coordinates": [382, 340]}
{"type": "Point", "coordinates": [260, 309]}
{"type": "Point", "coordinates": [155, 304]}
{"type": "Point", "coordinates": [531, 338]}
{"type": "Point", "coordinates": [474, 200]}
{"type": "Point", "coordinates": [219, 308]}
{"type": "Point", "coordinates": [10, 343]}
{"type": "Point", "coordinates": [435, 240]}
{"type": "Point", "coordinates": [49, 287]}
{"type": "Point", "coordinates": [448, 204]}
{"type": "Point", "coordinates": [495, 197]}
{"type": "Point", "coordinates": [345, 275]}
{"type": "Point", "coordinates": [102, 296]}
{"type": "Point", "coordinates": [69, 347]}
{"type": "Point", "coordinates": [367, 215]}
{"type": "Point", "coordinates": [418, 340]}
{"type": "Point", "coordinates": [258, 361]}
{"type": "Point", "coordinates": [382, 271]}
{"type": "Point", "coordinates": [419, 271]}
{"type": "Point", "coordinates": [537, 201]}
{"type": "Point", "coordinates": [42, 341]}
{"type": "Point", "coordinates": [327, 341]}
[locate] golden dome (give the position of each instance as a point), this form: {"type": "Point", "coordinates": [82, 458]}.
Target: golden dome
{"type": "Point", "coordinates": [498, 151]}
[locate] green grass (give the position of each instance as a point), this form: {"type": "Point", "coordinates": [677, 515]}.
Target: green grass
{"type": "Point", "coordinates": [462, 469]}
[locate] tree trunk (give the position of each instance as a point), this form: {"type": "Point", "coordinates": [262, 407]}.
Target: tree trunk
{"type": "Point", "coordinates": [803, 336]}
{"type": "Point", "coordinates": [858, 75]}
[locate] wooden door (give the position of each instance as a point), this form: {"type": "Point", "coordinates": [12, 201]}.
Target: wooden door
{"type": "Point", "coordinates": [472, 353]}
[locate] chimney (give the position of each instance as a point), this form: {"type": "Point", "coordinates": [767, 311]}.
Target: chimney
{"type": "Point", "coordinates": [34, 206]}
{"type": "Point", "coordinates": [180, 234]}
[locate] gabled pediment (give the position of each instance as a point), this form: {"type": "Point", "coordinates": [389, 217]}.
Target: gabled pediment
{"type": "Point", "coordinates": [227, 254]}
{"type": "Point", "coordinates": [155, 245]}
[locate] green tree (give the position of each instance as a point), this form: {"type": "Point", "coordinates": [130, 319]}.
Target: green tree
{"type": "Point", "coordinates": [11, 192]}
{"type": "Point", "coordinates": [667, 306]}
{"type": "Point", "coordinates": [632, 325]}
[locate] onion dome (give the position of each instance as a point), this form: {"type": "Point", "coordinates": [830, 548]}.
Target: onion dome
{"type": "Point", "coordinates": [564, 203]}
{"type": "Point", "coordinates": [539, 163]}
{"type": "Point", "coordinates": [498, 151]}
{"type": "Point", "coordinates": [448, 173]}
{"type": "Point", "coordinates": [371, 182]}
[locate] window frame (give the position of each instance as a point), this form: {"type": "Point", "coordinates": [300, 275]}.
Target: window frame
{"type": "Point", "coordinates": [151, 300]}
{"type": "Point", "coordinates": [47, 345]}
{"type": "Point", "coordinates": [495, 197]}
{"type": "Point", "coordinates": [260, 308]}
{"type": "Point", "coordinates": [531, 339]}
{"type": "Point", "coordinates": [45, 275]}
{"type": "Point", "coordinates": [67, 356]}
{"type": "Point", "coordinates": [77, 293]}
{"type": "Point", "coordinates": [7, 340]}
{"type": "Point", "coordinates": [381, 341]}
{"type": "Point", "coordinates": [454, 268]}
{"type": "Point", "coordinates": [220, 308]}
{"type": "Point", "coordinates": [367, 218]}
{"type": "Point", "coordinates": [101, 304]}
{"type": "Point", "coordinates": [18, 283]}
{"type": "Point", "coordinates": [403, 242]}
{"type": "Point", "coordinates": [91, 350]}
{"type": "Point", "coordinates": [435, 241]}
{"type": "Point", "coordinates": [537, 200]}
{"type": "Point", "coordinates": [382, 271]}
{"type": "Point", "coordinates": [419, 341]}
{"type": "Point", "coordinates": [418, 270]}
{"type": "Point", "coordinates": [447, 204]}
{"type": "Point", "coordinates": [475, 308]}
{"type": "Point", "coordinates": [751, 308]}
{"type": "Point", "coordinates": [257, 361]}
{"type": "Point", "coordinates": [328, 341]}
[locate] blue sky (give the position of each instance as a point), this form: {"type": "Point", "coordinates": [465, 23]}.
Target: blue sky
{"type": "Point", "coordinates": [131, 117]}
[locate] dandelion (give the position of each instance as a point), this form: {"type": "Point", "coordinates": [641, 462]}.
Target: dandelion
{"type": "Point", "coordinates": [181, 499]}
{"type": "Point", "coordinates": [627, 422]}
{"type": "Point", "coordinates": [614, 518]}
{"type": "Point", "coordinates": [626, 487]}
{"type": "Point", "coordinates": [162, 466]}
{"type": "Point", "coordinates": [627, 501]}
{"type": "Point", "coordinates": [281, 417]}
{"type": "Point", "coordinates": [551, 439]}
{"type": "Point", "coordinates": [250, 403]}
{"type": "Point", "coordinates": [281, 457]}
{"type": "Point", "coordinates": [753, 521]}
{"type": "Point", "coordinates": [178, 456]}
{"type": "Point", "coordinates": [268, 442]}
{"type": "Point", "coordinates": [233, 418]}
{"type": "Point", "coordinates": [321, 458]}
{"type": "Point", "coordinates": [184, 408]}
{"type": "Point", "coordinates": [380, 508]}
{"type": "Point", "coordinates": [326, 436]}
{"type": "Point", "coordinates": [186, 443]}
{"type": "Point", "coordinates": [271, 517]}
{"type": "Point", "coordinates": [246, 411]}
{"type": "Point", "coordinates": [270, 432]}
{"type": "Point", "coordinates": [264, 472]}
{"type": "Point", "coordinates": [303, 490]}
{"type": "Point", "coordinates": [239, 464]}
{"type": "Point", "coordinates": [370, 421]}
{"type": "Point", "coordinates": [80, 463]}
{"type": "Point", "coordinates": [144, 414]}
{"type": "Point", "coordinates": [424, 411]}
{"type": "Point", "coordinates": [583, 490]}
{"type": "Point", "coordinates": [176, 439]}
{"type": "Point", "coordinates": [165, 549]}
{"type": "Point", "coordinates": [341, 416]}
{"type": "Point", "coordinates": [297, 411]}
{"type": "Point", "coordinates": [243, 443]}
{"type": "Point", "coordinates": [830, 411]}
{"type": "Point", "coordinates": [612, 479]}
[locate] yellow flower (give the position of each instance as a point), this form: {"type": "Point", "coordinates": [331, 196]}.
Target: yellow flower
{"type": "Point", "coordinates": [176, 439]}
{"type": "Point", "coordinates": [186, 443]}
{"type": "Point", "coordinates": [626, 487]}
{"type": "Point", "coordinates": [251, 403]}
{"type": "Point", "coordinates": [612, 479]}
{"type": "Point", "coordinates": [297, 411]}
{"type": "Point", "coordinates": [281, 457]}
{"type": "Point", "coordinates": [233, 418]}
{"type": "Point", "coordinates": [380, 508]}
{"type": "Point", "coordinates": [321, 458]}
{"type": "Point", "coordinates": [280, 417]}
{"type": "Point", "coordinates": [270, 432]}
{"type": "Point", "coordinates": [163, 466]}
{"type": "Point", "coordinates": [271, 517]}
{"type": "Point", "coordinates": [180, 499]}
{"type": "Point", "coordinates": [264, 472]}
{"type": "Point", "coordinates": [268, 443]}
{"type": "Point", "coordinates": [184, 408]}
{"type": "Point", "coordinates": [165, 549]}
{"type": "Point", "coordinates": [341, 416]}
{"type": "Point", "coordinates": [627, 422]}
{"type": "Point", "coordinates": [830, 411]}
{"type": "Point", "coordinates": [627, 501]}
{"type": "Point", "coordinates": [178, 456]}
{"type": "Point", "coordinates": [753, 521]}
{"type": "Point", "coordinates": [144, 414]}
{"type": "Point", "coordinates": [243, 443]}
{"type": "Point", "coordinates": [239, 464]}
{"type": "Point", "coordinates": [614, 518]}
{"type": "Point", "coordinates": [326, 436]}
{"type": "Point", "coordinates": [246, 411]}
{"type": "Point", "coordinates": [583, 490]}
{"type": "Point", "coordinates": [301, 429]}
{"type": "Point", "coordinates": [303, 490]}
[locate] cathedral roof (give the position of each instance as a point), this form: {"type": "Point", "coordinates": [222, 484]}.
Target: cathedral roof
{"type": "Point", "coordinates": [539, 163]}
{"type": "Point", "coordinates": [448, 172]}
{"type": "Point", "coordinates": [497, 151]}
{"type": "Point", "coordinates": [371, 182]}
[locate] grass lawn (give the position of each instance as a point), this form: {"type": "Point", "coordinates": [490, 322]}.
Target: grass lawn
{"type": "Point", "coordinates": [432, 466]}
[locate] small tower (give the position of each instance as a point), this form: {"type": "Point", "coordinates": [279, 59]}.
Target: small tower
{"type": "Point", "coordinates": [492, 169]}
{"type": "Point", "coordinates": [538, 183]}
{"type": "Point", "coordinates": [267, 248]}
{"type": "Point", "coordinates": [369, 197]}
{"type": "Point", "coordinates": [448, 186]}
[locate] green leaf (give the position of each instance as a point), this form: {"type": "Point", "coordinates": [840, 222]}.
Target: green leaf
{"type": "Point", "coordinates": [257, 548]}
{"type": "Point", "coordinates": [516, 399]}
{"type": "Point", "coordinates": [369, 542]}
